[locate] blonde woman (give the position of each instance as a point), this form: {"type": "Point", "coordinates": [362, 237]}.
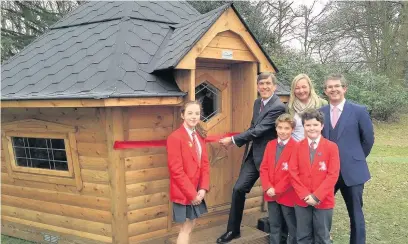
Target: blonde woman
{"type": "Point", "coordinates": [302, 96]}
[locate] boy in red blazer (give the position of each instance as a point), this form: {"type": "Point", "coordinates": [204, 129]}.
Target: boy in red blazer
{"type": "Point", "coordinates": [275, 179]}
{"type": "Point", "coordinates": [189, 171]}
{"type": "Point", "coordinates": [314, 170]}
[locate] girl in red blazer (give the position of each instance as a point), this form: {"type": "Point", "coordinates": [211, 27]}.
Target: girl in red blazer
{"type": "Point", "coordinates": [189, 171]}
{"type": "Point", "coordinates": [314, 171]}
{"type": "Point", "coordinates": [275, 179]}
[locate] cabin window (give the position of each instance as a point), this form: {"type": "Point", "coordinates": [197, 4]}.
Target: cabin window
{"type": "Point", "coordinates": [40, 153]}
{"type": "Point", "coordinates": [210, 98]}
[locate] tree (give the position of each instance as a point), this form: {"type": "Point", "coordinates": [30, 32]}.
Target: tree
{"type": "Point", "coordinates": [375, 34]}
{"type": "Point", "coordinates": [306, 32]}
{"type": "Point", "coordinates": [23, 21]}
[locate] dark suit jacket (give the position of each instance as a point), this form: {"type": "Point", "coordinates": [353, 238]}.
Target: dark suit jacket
{"type": "Point", "coordinates": [262, 128]}
{"type": "Point", "coordinates": [355, 139]}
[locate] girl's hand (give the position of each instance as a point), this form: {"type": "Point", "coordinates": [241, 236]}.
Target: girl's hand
{"type": "Point", "coordinates": [196, 200]}
{"type": "Point", "coordinates": [201, 194]}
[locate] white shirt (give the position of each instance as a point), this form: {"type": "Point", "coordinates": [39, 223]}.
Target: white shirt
{"type": "Point", "coordinates": [264, 102]}
{"type": "Point", "coordinates": [190, 132]}
{"type": "Point", "coordinates": [267, 100]}
{"type": "Point", "coordinates": [284, 142]}
{"type": "Point", "coordinates": [317, 141]}
{"type": "Point", "coordinates": [298, 132]}
{"type": "Point", "coordinates": [340, 107]}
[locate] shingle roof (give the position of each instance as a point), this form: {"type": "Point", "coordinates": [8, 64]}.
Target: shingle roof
{"type": "Point", "coordinates": [184, 37]}
{"type": "Point", "coordinates": [282, 89]}
{"type": "Point", "coordinates": [96, 60]}
{"type": "Point", "coordinates": [96, 11]}
{"type": "Point", "coordinates": [99, 50]}
{"type": "Point", "coordinates": [107, 49]}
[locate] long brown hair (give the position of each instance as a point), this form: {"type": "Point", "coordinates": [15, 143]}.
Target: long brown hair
{"type": "Point", "coordinates": [200, 130]}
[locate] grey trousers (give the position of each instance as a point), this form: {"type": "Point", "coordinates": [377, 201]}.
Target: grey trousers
{"type": "Point", "coordinates": [275, 212]}
{"type": "Point", "coordinates": [313, 225]}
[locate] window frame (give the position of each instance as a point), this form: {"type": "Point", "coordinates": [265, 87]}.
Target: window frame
{"type": "Point", "coordinates": [42, 129]}
{"type": "Point", "coordinates": [222, 87]}
{"type": "Point", "coordinates": [218, 98]}
{"type": "Point", "coordinates": [15, 167]}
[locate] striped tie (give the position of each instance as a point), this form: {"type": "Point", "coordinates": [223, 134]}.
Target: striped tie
{"type": "Point", "coordinates": [197, 147]}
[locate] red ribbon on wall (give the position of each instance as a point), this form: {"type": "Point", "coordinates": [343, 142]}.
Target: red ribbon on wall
{"type": "Point", "coordinates": [162, 143]}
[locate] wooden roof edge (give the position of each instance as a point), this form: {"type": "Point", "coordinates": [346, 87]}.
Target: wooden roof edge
{"type": "Point", "coordinates": [107, 102]}
{"type": "Point", "coordinates": [256, 40]}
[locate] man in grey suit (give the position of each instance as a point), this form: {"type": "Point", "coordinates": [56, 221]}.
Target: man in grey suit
{"type": "Point", "coordinates": [267, 109]}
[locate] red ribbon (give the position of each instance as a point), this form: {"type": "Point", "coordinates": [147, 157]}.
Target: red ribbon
{"type": "Point", "coordinates": [162, 143]}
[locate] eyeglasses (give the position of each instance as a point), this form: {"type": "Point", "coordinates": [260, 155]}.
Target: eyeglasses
{"type": "Point", "coordinates": [334, 87]}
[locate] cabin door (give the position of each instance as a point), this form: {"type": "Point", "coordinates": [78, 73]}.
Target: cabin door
{"type": "Point", "coordinates": [213, 90]}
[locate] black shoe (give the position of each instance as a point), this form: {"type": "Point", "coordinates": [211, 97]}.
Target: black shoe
{"type": "Point", "coordinates": [228, 236]}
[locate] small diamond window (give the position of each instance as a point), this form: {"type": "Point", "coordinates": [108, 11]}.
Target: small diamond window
{"type": "Point", "coordinates": [41, 153]}
{"type": "Point", "coordinates": [210, 99]}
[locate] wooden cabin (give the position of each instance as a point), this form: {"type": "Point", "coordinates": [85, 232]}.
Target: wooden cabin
{"type": "Point", "coordinates": [118, 72]}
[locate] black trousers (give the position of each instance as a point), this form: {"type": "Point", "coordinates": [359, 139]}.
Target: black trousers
{"type": "Point", "coordinates": [353, 197]}
{"type": "Point", "coordinates": [248, 175]}
{"type": "Point", "coordinates": [280, 215]}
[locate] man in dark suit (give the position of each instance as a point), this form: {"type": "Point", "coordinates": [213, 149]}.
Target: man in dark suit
{"type": "Point", "coordinates": [266, 110]}
{"type": "Point", "coordinates": [350, 127]}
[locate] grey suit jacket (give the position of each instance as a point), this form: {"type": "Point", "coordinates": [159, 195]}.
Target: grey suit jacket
{"type": "Point", "coordinates": [262, 129]}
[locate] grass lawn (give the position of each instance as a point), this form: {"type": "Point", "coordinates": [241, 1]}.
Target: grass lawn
{"type": "Point", "coordinates": [385, 196]}
{"type": "Point", "coordinates": [11, 240]}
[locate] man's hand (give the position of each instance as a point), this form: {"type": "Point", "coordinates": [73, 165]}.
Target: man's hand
{"type": "Point", "coordinates": [226, 141]}
{"type": "Point", "coordinates": [201, 194]}
{"type": "Point", "coordinates": [310, 201]}
{"type": "Point", "coordinates": [270, 192]}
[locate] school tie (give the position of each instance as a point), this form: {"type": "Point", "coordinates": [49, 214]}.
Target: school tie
{"type": "Point", "coordinates": [262, 106]}
{"type": "Point", "coordinates": [279, 148]}
{"type": "Point", "coordinates": [335, 116]}
{"type": "Point", "coordinates": [312, 151]}
{"type": "Point", "coordinates": [313, 145]}
{"type": "Point", "coordinates": [197, 147]}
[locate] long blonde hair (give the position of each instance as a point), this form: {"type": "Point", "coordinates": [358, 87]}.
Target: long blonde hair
{"type": "Point", "coordinates": [314, 100]}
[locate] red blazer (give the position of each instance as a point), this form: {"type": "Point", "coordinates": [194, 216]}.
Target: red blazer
{"type": "Point", "coordinates": [278, 176]}
{"type": "Point", "coordinates": [318, 178]}
{"type": "Point", "coordinates": [186, 176]}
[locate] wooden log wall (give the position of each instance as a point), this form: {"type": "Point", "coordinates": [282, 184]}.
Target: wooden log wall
{"type": "Point", "coordinates": [147, 178]}
{"type": "Point", "coordinates": [30, 208]}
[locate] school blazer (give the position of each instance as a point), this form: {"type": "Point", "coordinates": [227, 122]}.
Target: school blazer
{"type": "Point", "coordinates": [318, 178]}
{"type": "Point", "coordinates": [186, 176]}
{"type": "Point", "coordinates": [277, 176]}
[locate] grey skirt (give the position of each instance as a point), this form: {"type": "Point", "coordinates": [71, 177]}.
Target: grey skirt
{"type": "Point", "coordinates": [182, 212]}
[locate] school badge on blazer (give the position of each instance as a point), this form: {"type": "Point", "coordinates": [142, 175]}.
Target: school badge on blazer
{"type": "Point", "coordinates": [285, 166]}
{"type": "Point", "coordinates": [322, 166]}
